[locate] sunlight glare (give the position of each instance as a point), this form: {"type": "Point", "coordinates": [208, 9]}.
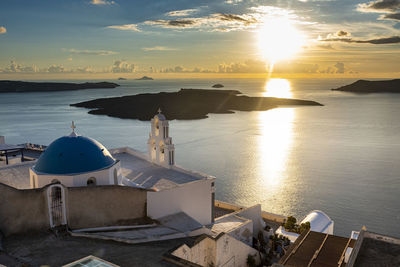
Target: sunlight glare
{"type": "Point", "coordinates": [278, 39]}
{"type": "Point", "coordinates": [278, 88]}
{"type": "Point", "coordinates": [276, 139]}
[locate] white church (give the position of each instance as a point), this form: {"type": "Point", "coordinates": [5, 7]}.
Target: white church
{"type": "Point", "coordinates": [76, 161]}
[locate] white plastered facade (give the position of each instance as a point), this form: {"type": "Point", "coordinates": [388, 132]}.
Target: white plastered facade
{"type": "Point", "coordinates": [108, 176]}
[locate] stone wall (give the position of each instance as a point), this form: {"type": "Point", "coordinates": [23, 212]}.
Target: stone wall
{"type": "Point", "coordinates": [104, 206]}
{"type": "Point", "coordinates": [27, 210]}
{"type": "Point", "coordinates": [23, 210]}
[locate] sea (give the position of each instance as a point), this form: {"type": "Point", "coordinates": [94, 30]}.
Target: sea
{"type": "Point", "coordinates": [342, 158]}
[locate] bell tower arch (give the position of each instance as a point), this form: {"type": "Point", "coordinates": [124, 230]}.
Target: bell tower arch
{"type": "Point", "coordinates": [160, 147]}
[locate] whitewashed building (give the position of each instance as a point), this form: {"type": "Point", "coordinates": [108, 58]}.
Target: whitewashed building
{"type": "Point", "coordinates": [319, 222]}
{"type": "Point", "coordinates": [78, 161]}
{"type": "Point", "coordinates": [75, 160]}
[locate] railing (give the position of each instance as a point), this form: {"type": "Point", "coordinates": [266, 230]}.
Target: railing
{"type": "Point", "coordinates": [35, 147]}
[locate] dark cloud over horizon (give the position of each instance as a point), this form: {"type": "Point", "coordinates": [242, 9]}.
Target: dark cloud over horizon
{"type": "Point", "coordinates": [390, 9]}
{"type": "Point", "coordinates": [377, 41]}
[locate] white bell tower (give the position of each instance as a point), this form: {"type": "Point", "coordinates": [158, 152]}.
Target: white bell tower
{"type": "Point", "coordinates": [160, 147]}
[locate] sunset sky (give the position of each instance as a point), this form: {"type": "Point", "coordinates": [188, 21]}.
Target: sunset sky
{"type": "Point", "coordinates": [229, 38]}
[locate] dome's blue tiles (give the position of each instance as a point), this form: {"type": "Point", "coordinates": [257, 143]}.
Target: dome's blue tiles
{"type": "Point", "coordinates": [72, 155]}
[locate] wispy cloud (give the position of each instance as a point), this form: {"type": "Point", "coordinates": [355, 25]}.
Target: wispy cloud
{"type": "Point", "coordinates": [91, 52]}
{"type": "Point", "coordinates": [102, 2]}
{"type": "Point", "coordinates": [233, 2]}
{"type": "Point", "coordinates": [213, 22]}
{"type": "Point", "coordinates": [380, 6]}
{"type": "Point", "coordinates": [224, 22]}
{"type": "Point", "coordinates": [3, 30]}
{"type": "Point", "coordinates": [389, 8]}
{"type": "Point", "coordinates": [394, 16]}
{"type": "Point", "coordinates": [376, 41]}
{"type": "Point", "coordinates": [181, 13]}
{"type": "Point", "coordinates": [158, 48]}
{"type": "Point", "coordinates": [125, 27]}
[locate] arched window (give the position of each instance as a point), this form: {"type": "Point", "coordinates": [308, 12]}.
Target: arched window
{"type": "Point", "coordinates": [115, 177]}
{"type": "Point", "coordinates": [91, 181]}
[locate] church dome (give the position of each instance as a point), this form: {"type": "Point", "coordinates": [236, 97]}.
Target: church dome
{"type": "Point", "coordinates": [72, 155]}
{"type": "Point", "coordinates": [160, 116]}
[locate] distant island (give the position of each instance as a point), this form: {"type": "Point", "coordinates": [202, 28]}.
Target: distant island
{"type": "Point", "coordinates": [19, 86]}
{"type": "Point", "coordinates": [366, 87]}
{"type": "Point", "coordinates": [144, 78]}
{"type": "Point", "coordinates": [186, 104]}
{"type": "Point", "coordinates": [218, 85]}
{"type": "Point", "coordinates": [121, 79]}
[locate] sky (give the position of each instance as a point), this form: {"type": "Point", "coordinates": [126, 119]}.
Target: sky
{"type": "Point", "coordinates": [191, 38]}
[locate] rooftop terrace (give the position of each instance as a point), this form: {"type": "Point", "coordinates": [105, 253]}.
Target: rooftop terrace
{"type": "Point", "coordinates": [136, 168]}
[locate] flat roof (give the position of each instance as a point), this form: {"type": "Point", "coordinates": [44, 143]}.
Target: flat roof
{"type": "Point", "coordinates": [16, 175]}
{"type": "Point", "coordinates": [6, 147]}
{"type": "Point", "coordinates": [328, 250]}
{"type": "Point", "coordinates": [226, 224]}
{"type": "Point", "coordinates": [377, 250]}
{"type": "Point", "coordinates": [136, 168]}
{"type": "Point", "coordinates": [37, 249]}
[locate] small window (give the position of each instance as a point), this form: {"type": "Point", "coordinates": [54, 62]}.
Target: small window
{"type": "Point", "coordinates": [212, 184]}
{"type": "Point", "coordinates": [91, 181]}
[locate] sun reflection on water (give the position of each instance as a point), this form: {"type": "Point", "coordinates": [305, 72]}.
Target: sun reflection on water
{"type": "Point", "coordinates": [278, 88]}
{"type": "Point", "coordinates": [275, 143]}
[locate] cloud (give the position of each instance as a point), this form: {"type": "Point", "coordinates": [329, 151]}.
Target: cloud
{"type": "Point", "coordinates": [118, 66]}
{"type": "Point", "coordinates": [213, 22]}
{"type": "Point", "coordinates": [343, 34]}
{"type": "Point", "coordinates": [102, 2]}
{"type": "Point", "coordinates": [56, 69]}
{"type": "Point", "coordinates": [249, 66]}
{"type": "Point", "coordinates": [326, 46]}
{"type": "Point", "coordinates": [181, 13]}
{"type": "Point", "coordinates": [179, 23]}
{"type": "Point", "coordinates": [91, 52]}
{"type": "Point", "coordinates": [339, 35]}
{"type": "Point", "coordinates": [3, 30]}
{"type": "Point", "coordinates": [158, 48]}
{"type": "Point", "coordinates": [15, 67]}
{"type": "Point", "coordinates": [125, 27]}
{"type": "Point", "coordinates": [380, 6]}
{"type": "Point", "coordinates": [233, 2]}
{"type": "Point", "coordinates": [258, 66]}
{"type": "Point", "coordinates": [377, 41]}
{"type": "Point", "coordinates": [237, 18]}
{"type": "Point", "coordinates": [121, 66]}
{"type": "Point", "coordinates": [84, 70]}
{"type": "Point", "coordinates": [339, 67]}
{"type": "Point", "coordinates": [180, 69]}
{"type": "Point", "coordinates": [390, 8]}
{"type": "Point", "coordinates": [393, 16]}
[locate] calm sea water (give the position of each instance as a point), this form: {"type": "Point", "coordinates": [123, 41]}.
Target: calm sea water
{"type": "Point", "coordinates": [342, 158]}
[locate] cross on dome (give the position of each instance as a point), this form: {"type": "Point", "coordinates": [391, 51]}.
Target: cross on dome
{"type": "Point", "coordinates": [73, 126]}
{"type": "Point", "coordinates": [159, 110]}
{"type": "Point", "coordinates": [73, 129]}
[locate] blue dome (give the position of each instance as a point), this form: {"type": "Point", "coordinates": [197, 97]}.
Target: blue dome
{"type": "Point", "coordinates": [72, 155]}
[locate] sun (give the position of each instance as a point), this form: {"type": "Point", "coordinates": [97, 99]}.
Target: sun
{"type": "Point", "coordinates": [278, 39]}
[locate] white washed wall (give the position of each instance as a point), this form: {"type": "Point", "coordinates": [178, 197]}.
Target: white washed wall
{"type": "Point", "coordinates": [192, 198]}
